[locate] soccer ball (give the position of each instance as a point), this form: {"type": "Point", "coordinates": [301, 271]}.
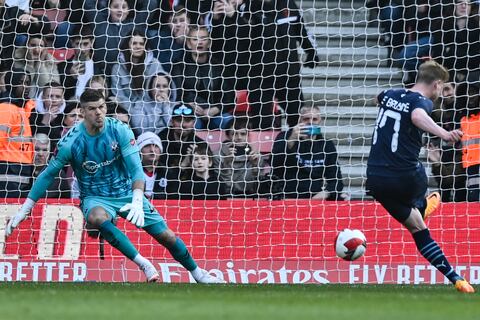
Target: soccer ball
{"type": "Point", "coordinates": [350, 244]}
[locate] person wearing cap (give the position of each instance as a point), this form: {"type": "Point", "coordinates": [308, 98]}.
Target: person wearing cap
{"type": "Point", "coordinates": [156, 180]}
{"type": "Point", "coordinates": [178, 138]}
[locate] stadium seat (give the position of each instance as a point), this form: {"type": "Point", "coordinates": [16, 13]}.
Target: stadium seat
{"type": "Point", "coordinates": [55, 16]}
{"type": "Point", "coordinates": [214, 138]}
{"type": "Point", "coordinates": [241, 102]}
{"type": "Point", "coordinates": [262, 141]}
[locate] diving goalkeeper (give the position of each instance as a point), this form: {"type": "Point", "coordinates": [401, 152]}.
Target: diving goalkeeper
{"type": "Point", "coordinates": [106, 162]}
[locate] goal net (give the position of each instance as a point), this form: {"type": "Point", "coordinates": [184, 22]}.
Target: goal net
{"type": "Point", "coordinates": [254, 122]}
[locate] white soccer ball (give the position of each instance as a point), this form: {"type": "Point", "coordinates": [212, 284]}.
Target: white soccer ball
{"type": "Point", "coordinates": [350, 244]}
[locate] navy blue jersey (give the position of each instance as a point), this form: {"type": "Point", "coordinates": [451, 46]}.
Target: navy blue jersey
{"type": "Point", "coordinates": [396, 141]}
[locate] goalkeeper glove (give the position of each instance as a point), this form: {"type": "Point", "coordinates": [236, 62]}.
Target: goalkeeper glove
{"type": "Point", "coordinates": [136, 215]}
{"type": "Point", "coordinates": [20, 216]}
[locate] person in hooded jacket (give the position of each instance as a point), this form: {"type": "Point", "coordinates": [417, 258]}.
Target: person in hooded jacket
{"type": "Point", "coordinates": [153, 112]}
{"type": "Point", "coordinates": [112, 24]}
{"type": "Point", "coordinates": [131, 75]}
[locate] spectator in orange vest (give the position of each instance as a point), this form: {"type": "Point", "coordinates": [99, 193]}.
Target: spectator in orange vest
{"type": "Point", "coordinates": [16, 147]}
{"type": "Point", "coordinates": [470, 126]}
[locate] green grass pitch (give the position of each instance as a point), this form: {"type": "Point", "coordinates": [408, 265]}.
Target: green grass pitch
{"type": "Point", "coordinates": [105, 301]}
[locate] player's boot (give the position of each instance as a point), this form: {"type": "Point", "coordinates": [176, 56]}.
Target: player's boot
{"type": "Point", "coordinates": [207, 278]}
{"type": "Point", "coordinates": [433, 202]}
{"type": "Point", "coordinates": [150, 272]}
{"type": "Point", "coordinates": [464, 286]}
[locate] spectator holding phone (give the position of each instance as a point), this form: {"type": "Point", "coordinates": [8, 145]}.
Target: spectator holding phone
{"type": "Point", "coordinates": [41, 65]}
{"type": "Point", "coordinates": [77, 71]}
{"type": "Point", "coordinates": [239, 165]}
{"type": "Point", "coordinates": [303, 160]}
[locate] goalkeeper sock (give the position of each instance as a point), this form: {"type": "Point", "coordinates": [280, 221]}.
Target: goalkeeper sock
{"type": "Point", "coordinates": [432, 252]}
{"type": "Point", "coordinates": [180, 253]}
{"type": "Point", "coordinates": [118, 239]}
{"type": "Point", "coordinates": [141, 261]}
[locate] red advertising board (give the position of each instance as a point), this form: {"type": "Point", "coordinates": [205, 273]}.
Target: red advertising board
{"type": "Point", "coordinates": [243, 241]}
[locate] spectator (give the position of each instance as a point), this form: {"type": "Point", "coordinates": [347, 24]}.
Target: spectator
{"type": "Point", "coordinates": [71, 116]}
{"type": "Point", "coordinates": [387, 12]}
{"type": "Point", "coordinates": [77, 71]}
{"type": "Point", "coordinates": [470, 126]}
{"type": "Point", "coordinates": [229, 28]}
{"type": "Point", "coordinates": [445, 158]}
{"type": "Point", "coordinates": [157, 183]}
{"type": "Point", "coordinates": [16, 147]}
{"type": "Point", "coordinates": [457, 43]}
{"type": "Point", "coordinates": [112, 24]}
{"type": "Point", "coordinates": [169, 41]}
{"type": "Point", "coordinates": [201, 82]}
{"type": "Point", "coordinates": [153, 112]}
{"type": "Point", "coordinates": [413, 35]}
{"type": "Point", "coordinates": [99, 82]}
{"type": "Point", "coordinates": [197, 9]}
{"type": "Point", "coordinates": [302, 160]}
{"type": "Point", "coordinates": [15, 19]}
{"type": "Point", "coordinates": [240, 166]}
{"type": "Point", "coordinates": [130, 78]}
{"type": "Point", "coordinates": [178, 139]}
{"type": "Point", "coordinates": [48, 112]}
{"type": "Point", "coordinates": [3, 72]}
{"type": "Point", "coordinates": [23, 5]}
{"type": "Point", "coordinates": [60, 188]}
{"type": "Point", "coordinates": [49, 4]}
{"type": "Point", "coordinates": [38, 62]}
{"type": "Point", "coordinates": [270, 31]}
{"type": "Point", "coordinates": [201, 182]}
{"type": "Point", "coordinates": [118, 112]}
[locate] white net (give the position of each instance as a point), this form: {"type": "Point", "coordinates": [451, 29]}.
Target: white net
{"type": "Point", "coordinates": [253, 120]}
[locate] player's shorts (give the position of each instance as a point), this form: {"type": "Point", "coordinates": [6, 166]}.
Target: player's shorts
{"type": "Point", "coordinates": [399, 194]}
{"type": "Point", "coordinates": [154, 222]}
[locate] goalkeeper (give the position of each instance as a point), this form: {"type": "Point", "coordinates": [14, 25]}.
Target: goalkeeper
{"type": "Point", "coordinates": [106, 162]}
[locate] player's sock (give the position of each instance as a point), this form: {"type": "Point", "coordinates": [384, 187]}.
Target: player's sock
{"type": "Point", "coordinates": [147, 267]}
{"type": "Point", "coordinates": [180, 253]}
{"type": "Point", "coordinates": [432, 252]}
{"type": "Point", "coordinates": [118, 239]}
{"type": "Point", "coordinates": [140, 260]}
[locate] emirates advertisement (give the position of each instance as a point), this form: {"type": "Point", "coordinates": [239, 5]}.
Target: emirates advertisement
{"type": "Point", "coordinates": [241, 241]}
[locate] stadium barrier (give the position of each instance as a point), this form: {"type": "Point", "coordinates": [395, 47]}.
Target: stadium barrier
{"type": "Point", "coordinates": [243, 241]}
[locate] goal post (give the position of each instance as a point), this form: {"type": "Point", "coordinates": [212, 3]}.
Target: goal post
{"type": "Point", "coordinates": [234, 78]}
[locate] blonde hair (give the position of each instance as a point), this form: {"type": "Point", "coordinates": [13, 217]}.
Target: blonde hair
{"type": "Point", "coordinates": [432, 71]}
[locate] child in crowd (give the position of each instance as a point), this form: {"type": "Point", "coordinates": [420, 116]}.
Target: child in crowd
{"type": "Point", "coordinates": [201, 181]}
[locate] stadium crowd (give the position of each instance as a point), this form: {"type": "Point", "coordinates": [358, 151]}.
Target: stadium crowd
{"type": "Point", "coordinates": [447, 31]}
{"type": "Point", "coordinates": [172, 69]}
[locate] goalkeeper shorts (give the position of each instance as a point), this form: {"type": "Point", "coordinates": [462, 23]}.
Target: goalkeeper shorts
{"type": "Point", "coordinates": [112, 207]}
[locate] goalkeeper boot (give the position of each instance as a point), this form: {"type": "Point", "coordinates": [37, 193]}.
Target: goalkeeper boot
{"type": "Point", "coordinates": [150, 272]}
{"type": "Point", "coordinates": [207, 278]}
{"type": "Point", "coordinates": [464, 286]}
{"type": "Point", "coordinates": [433, 202]}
